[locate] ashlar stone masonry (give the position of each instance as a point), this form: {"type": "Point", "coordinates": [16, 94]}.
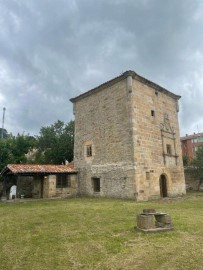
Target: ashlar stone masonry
{"type": "Point", "coordinates": [127, 140]}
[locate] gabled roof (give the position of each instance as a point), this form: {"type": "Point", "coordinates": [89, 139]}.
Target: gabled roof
{"type": "Point", "coordinates": [124, 76]}
{"type": "Point", "coordinates": [37, 169]}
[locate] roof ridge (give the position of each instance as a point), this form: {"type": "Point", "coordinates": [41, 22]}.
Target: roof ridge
{"type": "Point", "coordinates": [121, 77]}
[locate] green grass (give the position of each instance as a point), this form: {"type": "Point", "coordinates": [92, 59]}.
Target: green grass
{"type": "Point", "coordinates": [94, 233]}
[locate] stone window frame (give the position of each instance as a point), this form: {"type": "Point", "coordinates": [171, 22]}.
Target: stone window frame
{"type": "Point", "coordinates": [63, 181]}
{"type": "Point", "coordinates": [89, 150]}
{"type": "Point", "coordinates": [169, 149]}
{"type": "Point", "coordinates": [96, 184]}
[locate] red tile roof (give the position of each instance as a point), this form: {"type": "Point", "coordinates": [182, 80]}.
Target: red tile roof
{"type": "Point", "coordinates": [35, 168]}
{"type": "Point", "coordinates": [71, 165]}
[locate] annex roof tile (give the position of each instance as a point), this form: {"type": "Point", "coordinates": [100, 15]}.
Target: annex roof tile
{"type": "Point", "coordinates": [36, 168]}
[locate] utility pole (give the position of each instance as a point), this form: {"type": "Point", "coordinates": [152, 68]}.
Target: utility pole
{"type": "Point", "coordinates": [2, 130]}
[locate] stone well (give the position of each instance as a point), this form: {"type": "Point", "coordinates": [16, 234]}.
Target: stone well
{"type": "Point", "coordinates": [152, 221]}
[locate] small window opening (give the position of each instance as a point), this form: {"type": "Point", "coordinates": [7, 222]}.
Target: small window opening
{"type": "Point", "coordinates": [168, 149]}
{"type": "Point", "coordinates": [89, 150]}
{"type": "Point", "coordinates": [63, 181]}
{"type": "Point", "coordinates": [152, 113]}
{"type": "Point", "coordinates": [96, 184]}
{"type": "Point", "coordinates": [147, 176]}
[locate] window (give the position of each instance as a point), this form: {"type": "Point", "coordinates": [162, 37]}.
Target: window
{"type": "Point", "coordinates": [200, 139]}
{"type": "Point", "coordinates": [96, 184]}
{"type": "Point", "coordinates": [147, 176]}
{"type": "Point", "coordinates": [152, 113]}
{"type": "Point", "coordinates": [62, 181]}
{"type": "Point", "coordinates": [168, 149]}
{"type": "Point", "coordinates": [89, 150]}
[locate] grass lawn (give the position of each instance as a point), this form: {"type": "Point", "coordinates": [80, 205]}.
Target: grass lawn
{"type": "Point", "coordinates": [94, 233]}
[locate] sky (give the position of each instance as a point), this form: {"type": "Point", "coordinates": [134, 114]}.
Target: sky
{"type": "Point", "coordinates": [53, 50]}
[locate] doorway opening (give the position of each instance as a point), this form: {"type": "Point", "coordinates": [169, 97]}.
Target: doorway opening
{"type": "Point", "coordinates": [163, 186]}
{"type": "Point", "coordinates": [12, 194]}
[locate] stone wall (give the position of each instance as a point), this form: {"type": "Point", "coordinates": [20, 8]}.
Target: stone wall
{"type": "Point", "coordinates": [102, 120]}
{"type": "Point", "coordinates": [192, 179]}
{"type": "Point", "coordinates": [72, 190]}
{"type": "Point", "coordinates": [24, 186]}
{"type": "Point", "coordinates": [152, 111]}
{"type": "Point", "coordinates": [40, 186]}
{"type": "Point", "coordinates": [123, 125]}
{"type": "Point", "coordinates": [63, 192]}
{"type": "Point", "coordinates": [45, 187]}
{"type": "Point", "coordinates": [37, 187]}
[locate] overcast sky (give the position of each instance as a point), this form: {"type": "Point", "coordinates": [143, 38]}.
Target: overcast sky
{"type": "Point", "coordinates": [52, 50]}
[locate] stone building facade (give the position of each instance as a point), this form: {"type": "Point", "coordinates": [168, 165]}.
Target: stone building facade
{"type": "Point", "coordinates": [127, 140]}
{"type": "Point", "coordinates": [40, 181]}
{"type": "Point", "coordinates": [193, 179]}
{"type": "Point", "coordinates": [46, 186]}
{"type": "Point", "coordinates": [190, 144]}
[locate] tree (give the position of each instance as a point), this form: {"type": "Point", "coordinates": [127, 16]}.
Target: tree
{"type": "Point", "coordinates": [5, 152]}
{"type": "Point", "coordinates": [22, 144]}
{"type": "Point", "coordinates": [55, 143]}
{"type": "Point", "coordinates": [186, 161]}
{"type": "Point", "coordinates": [14, 148]}
{"type": "Point", "coordinates": [198, 164]}
{"type": "Point", "coordinates": [3, 133]}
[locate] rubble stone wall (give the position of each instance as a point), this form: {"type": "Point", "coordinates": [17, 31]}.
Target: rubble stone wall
{"type": "Point", "coordinates": [24, 186]}
{"type": "Point", "coordinates": [102, 120]}
{"type": "Point", "coordinates": [192, 179]}
{"type": "Point", "coordinates": [123, 125]}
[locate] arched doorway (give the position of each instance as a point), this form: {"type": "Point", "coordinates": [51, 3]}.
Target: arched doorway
{"type": "Point", "coordinates": [163, 186]}
{"type": "Point", "coordinates": [12, 194]}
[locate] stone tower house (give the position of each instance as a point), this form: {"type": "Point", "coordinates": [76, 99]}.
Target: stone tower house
{"type": "Point", "coordinates": [127, 140]}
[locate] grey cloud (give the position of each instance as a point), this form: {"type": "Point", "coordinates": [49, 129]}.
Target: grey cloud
{"type": "Point", "coordinates": [51, 51]}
